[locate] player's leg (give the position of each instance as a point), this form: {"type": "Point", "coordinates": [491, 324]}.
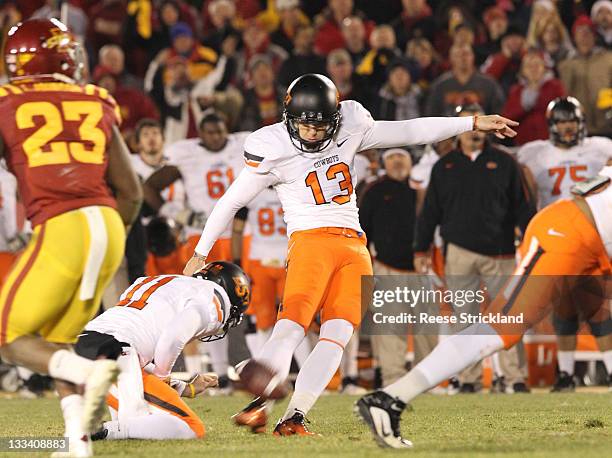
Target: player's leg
{"type": "Point", "coordinates": [263, 302]}
{"type": "Point", "coordinates": [168, 418]}
{"type": "Point", "coordinates": [341, 312]}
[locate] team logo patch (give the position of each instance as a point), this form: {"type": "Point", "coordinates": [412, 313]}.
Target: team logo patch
{"type": "Point", "coordinates": [491, 165]}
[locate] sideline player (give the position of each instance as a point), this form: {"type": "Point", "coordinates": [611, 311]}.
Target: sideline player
{"type": "Point", "coordinates": [149, 327]}
{"type": "Point", "coordinates": [556, 165]}
{"type": "Point", "coordinates": [565, 253]}
{"type": "Point", "coordinates": [62, 143]}
{"type": "Point", "coordinates": [207, 165]}
{"type": "Point", "coordinates": [308, 158]}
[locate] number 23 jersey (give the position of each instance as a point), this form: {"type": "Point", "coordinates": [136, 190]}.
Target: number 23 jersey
{"type": "Point", "coordinates": [556, 170]}
{"type": "Point", "coordinates": [56, 136]}
{"type": "Point", "coordinates": [315, 189]}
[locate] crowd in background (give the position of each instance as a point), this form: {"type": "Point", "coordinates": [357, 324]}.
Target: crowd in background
{"type": "Point", "coordinates": [176, 60]}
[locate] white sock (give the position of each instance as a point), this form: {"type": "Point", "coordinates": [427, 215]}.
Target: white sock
{"type": "Point", "coordinates": [154, 426]}
{"type": "Point", "coordinates": [566, 360]}
{"type": "Point", "coordinates": [278, 350]}
{"type": "Point", "coordinates": [263, 336]}
{"type": "Point", "coordinates": [66, 365]}
{"type": "Point", "coordinates": [496, 366]}
{"type": "Point", "coordinates": [302, 352]}
{"type": "Point", "coordinates": [607, 359]}
{"type": "Point", "coordinates": [72, 409]}
{"type": "Point", "coordinates": [348, 365]}
{"type": "Point", "coordinates": [24, 373]}
{"type": "Point", "coordinates": [218, 356]}
{"type": "Point", "coordinates": [449, 358]}
{"type": "Point", "coordinates": [252, 342]}
{"type": "Point", "coordinates": [320, 366]}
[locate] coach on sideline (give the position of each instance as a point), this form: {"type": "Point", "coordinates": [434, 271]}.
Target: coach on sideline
{"type": "Point", "coordinates": [477, 196]}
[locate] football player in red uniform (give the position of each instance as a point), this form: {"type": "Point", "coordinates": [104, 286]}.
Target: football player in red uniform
{"type": "Point", "coordinates": [60, 139]}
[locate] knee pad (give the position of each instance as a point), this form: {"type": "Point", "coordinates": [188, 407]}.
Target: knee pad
{"type": "Point", "coordinates": [601, 328]}
{"type": "Point", "coordinates": [338, 330]}
{"type": "Point", "coordinates": [566, 326]}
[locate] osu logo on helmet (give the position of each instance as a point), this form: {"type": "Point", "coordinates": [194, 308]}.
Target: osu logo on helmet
{"type": "Point", "coordinates": [43, 48]}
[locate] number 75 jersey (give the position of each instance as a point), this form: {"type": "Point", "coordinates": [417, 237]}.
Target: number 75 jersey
{"type": "Point", "coordinates": [556, 170]}
{"type": "Point", "coordinates": [315, 189]}
{"type": "Point", "coordinates": [56, 136]}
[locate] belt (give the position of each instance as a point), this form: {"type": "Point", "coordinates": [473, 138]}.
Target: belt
{"type": "Point", "coordinates": [345, 231]}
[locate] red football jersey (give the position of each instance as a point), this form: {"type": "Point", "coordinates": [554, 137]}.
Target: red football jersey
{"type": "Point", "coordinates": [56, 136]}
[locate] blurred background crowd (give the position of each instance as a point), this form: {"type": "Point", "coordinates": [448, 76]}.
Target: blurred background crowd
{"type": "Point", "coordinates": [179, 67]}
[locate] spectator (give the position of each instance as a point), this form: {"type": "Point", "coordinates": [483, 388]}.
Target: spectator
{"type": "Point", "coordinates": [383, 51]}
{"type": "Point", "coordinates": [550, 36]}
{"type": "Point", "coordinates": [223, 23]}
{"type": "Point", "coordinates": [450, 16]}
{"type": "Point", "coordinates": [263, 103]}
{"type": "Point", "coordinates": [428, 60]}
{"type": "Point", "coordinates": [291, 19]}
{"type": "Point", "coordinates": [257, 42]}
{"type": "Point", "coordinates": [112, 58]}
{"type": "Point", "coordinates": [478, 215]}
{"type": "Point", "coordinates": [399, 98]}
{"type": "Point", "coordinates": [387, 214]}
{"type": "Point", "coordinates": [133, 103]}
{"type": "Point", "coordinates": [464, 35]}
{"type": "Point", "coordinates": [415, 21]}
{"type": "Point", "coordinates": [302, 59]}
{"type": "Point", "coordinates": [587, 75]}
{"type": "Point", "coordinates": [504, 65]}
{"type": "Point", "coordinates": [354, 34]}
{"type": "Point", "coordinates": [463, 85]}
{"type": "Point", "coordinates": [329, 22]}
{"type": "Point", "coordinates": [601, 14]}
{"type": "Point", "coordinates": [350, 85]}
{"type": "Point", "coordinates": [496, 24]}
{"type": "Point", "coordinates": [106, 21]}
{"type": "Point", "coordinates": [528, 99]}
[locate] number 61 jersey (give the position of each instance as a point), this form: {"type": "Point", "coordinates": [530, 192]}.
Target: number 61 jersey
{"type": "Point", "coordinates": [315, 189]}
{"type": "Point", "coordinates": [56, 136]}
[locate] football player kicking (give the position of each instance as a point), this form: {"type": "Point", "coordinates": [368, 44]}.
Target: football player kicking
{"type": "Point", "coordinates": [308, 158]}
{"type": "Point", "coordinates": [565, 254]}
{"type": "Point", "coordinates": [61, 141]}
{"type": "Point", "coordinates": [149, 327]}
{"type": "Point", "coordinates": [556, 165]}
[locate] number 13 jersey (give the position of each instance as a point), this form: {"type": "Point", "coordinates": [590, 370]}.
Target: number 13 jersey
{"type": "Point", "coordinates": [56, 136]}
{"type": "Point", "coordinates": [315, 189]}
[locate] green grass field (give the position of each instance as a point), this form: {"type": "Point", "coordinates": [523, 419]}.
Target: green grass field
{"type": "Point", "coordinates": [539, 425]}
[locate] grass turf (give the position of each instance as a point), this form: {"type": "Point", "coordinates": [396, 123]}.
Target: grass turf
{"type": "Point", "coordinates": [538, 425]}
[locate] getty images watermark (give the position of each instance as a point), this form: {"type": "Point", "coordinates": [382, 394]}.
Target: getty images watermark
{"type": "Point", "coordinates": [424, 307]}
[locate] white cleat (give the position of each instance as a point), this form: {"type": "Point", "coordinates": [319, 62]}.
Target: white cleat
{"type": "Point", "coordinates": [103, 375]}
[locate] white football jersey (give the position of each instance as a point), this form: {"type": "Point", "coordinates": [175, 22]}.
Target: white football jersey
{"type": "Point", "coordinates": [556, 170]}
{"type": "Point", "coordinates": [146, 311]}
{"type": "Point", "coordinates": [315, 189]}
{"type": "Point", "coordinates": [207, 175]}
{"type": "Point", "coordinates": [268, 229]}
{"type": "Point", "coordinates": [601, 208]}
{"type": "Point", "coordinates": [173, 193]}
{"type": "Point", "coordinates": [8, 207]}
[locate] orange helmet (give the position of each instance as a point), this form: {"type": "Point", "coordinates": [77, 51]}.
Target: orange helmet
{"type": "Point", "coordinates": [43, 48]}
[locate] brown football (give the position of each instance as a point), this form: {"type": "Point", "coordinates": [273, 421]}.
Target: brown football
{"type": "Point", "coordinates": [261, 380]}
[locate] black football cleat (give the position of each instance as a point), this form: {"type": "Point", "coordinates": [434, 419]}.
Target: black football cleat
{"type": "Point", "coordinates": [565, 383]}
{"type": "Point", "coordinates": [382, 412]}
{"type": "Point", "coordinates": [296, 425]}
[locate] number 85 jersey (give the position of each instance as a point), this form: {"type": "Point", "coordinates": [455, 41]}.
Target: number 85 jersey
{"type": "Point", "coordinates": [315, 189]}
{"type": "Point", "coordinates": [55, 139]}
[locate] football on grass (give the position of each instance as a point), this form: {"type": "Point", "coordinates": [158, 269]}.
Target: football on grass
{"type": "Point", "coordinates": [261, 380]}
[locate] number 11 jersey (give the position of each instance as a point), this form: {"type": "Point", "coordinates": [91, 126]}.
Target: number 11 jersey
{"type": "Point", "coordinates": [55, 140]}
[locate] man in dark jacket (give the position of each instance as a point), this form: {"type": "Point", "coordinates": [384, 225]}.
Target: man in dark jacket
{"type": "Point", "coordinates": [478, 197]}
